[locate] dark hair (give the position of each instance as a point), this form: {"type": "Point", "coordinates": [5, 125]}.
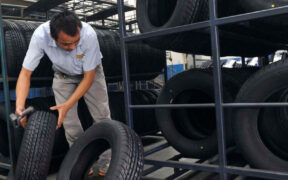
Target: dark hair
{"type": "Point", "coordinates": [65, 21]}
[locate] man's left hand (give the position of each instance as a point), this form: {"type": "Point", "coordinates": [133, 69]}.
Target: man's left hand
{"type": "Point", "coordinates": [62, 110]}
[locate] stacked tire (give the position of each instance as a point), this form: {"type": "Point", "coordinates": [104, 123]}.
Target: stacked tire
{"type": "Point", "coordinates": [236, 40]}
{"type": "Point", "coordinates": [145, 62]}
{"type": "Point", "coordinates": [260, 133]}
{"type": "Point", "coordinates": [193, 131]}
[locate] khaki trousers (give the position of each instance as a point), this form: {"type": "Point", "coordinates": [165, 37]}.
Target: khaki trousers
{"type": "Point", "coordinates": [96, 99]}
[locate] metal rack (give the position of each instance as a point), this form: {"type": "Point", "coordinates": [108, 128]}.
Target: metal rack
{"type": "Point", "coordinates": [105, 9]}
{"type": "Point", "coordinates": [4, 80]}
{"type": "Point", "coordinates": [212, 24]}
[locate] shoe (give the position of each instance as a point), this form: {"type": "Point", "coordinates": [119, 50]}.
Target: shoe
{"type": "Point", "coordinates": [91, 172]}
{"type": "Point", "coordinates": [101, 174]}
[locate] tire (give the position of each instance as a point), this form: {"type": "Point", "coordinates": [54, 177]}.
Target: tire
{"type": "Point", "coordinates": [127, 152]}
{"type": "Point", "coordinates": [36, 148]}
{"type": "Point", "coordinates": [14, 40]}
{"type": "Point", "coordinates": [200, 87]}
{"type": "Point", "coordinates": [145, 62]}
{"type": "Point", "coordinates": [249, 132]}
{"type": "Point", "coordinates": [257, 5]}
{"type": "Point", "coordinates": [198, 130]}
{"type": "Point", "coordinates": [241, 74]}
{"type": "Point", "coordinates": [156, 15]}
{"type": "Point", "coordinates": [60, 143]}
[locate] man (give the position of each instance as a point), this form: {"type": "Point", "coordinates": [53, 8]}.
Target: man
{"type": "Point", "coordinates": [73, 48]}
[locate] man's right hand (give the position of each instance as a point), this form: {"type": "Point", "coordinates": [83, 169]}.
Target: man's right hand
{"type": "Point", "coordinates": [23, 121]}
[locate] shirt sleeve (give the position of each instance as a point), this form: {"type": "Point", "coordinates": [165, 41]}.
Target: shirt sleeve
{"type": "Point", "coordinates": [34, 54]}
{"type": "Point", "coordinates": [92, 55]}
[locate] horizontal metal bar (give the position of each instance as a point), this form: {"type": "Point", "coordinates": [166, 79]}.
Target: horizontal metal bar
{"type": "Point", "coordinates": [5, 165]}
{"type": "Point", "coordinates": [155, 149]}
{"type": "Point", "coordinates": [14, 79]}
{"type": "Point", "coordinates": [207, 24]}
{"type": "Point", "coordinates": [12, 5]}
{"type": "Point", "coordinates": [174, 106]}
{"type": "Point", "coordinates": [209, 105]}
{"type": "Point", "coordinates": [149, 178]}
{"type": "Point", "coordinates": [256, 173]}
{"type": "Point", "coordinates": [22, 18]}
{"type": "Point", "coordinates": [252, 15]}
{"type": "Point", "coordinates": [183, 165]}
{"type": "Point", "coordinates": [255, 105]}
{"type": "Point", "coordinates": [155, 168]}
{"type": "Point", "coordinates": [172, 30]}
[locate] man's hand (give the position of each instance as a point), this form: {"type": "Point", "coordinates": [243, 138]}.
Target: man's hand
{"type": "Point", "coordinates": [62, 110]}
{"type": "Point", "coordinates": [23, 121]}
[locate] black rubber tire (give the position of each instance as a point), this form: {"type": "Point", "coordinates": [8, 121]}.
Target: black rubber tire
{"type": "Point", "coordinates": [267, 82]}
{"type": "Point", "coordinates": [201, 85]}
{"type": "Point", "coordinates": [36, 148]}
{"type": "Point", "coordinates": [60, 143]}
{"type": "Point", "coordinates": [14, 40]}
{"type": "Point", "coordinates": [257, 5]}
{"type": "Point", "coordinates": [198, 130]}
{"type": "Point", "coordinates": [241, 74]}
{"type": "Point", "coordinates": [145, 62]}
{"type": "Point", "coordinates": [127, 152]}
{"type": "Point", "coordinates": [155, 15]}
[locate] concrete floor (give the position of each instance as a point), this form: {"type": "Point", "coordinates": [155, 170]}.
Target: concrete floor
{"type": "Point", "coordinates": [164, 173]}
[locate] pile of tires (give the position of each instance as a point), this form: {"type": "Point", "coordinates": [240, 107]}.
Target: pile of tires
{"type": "Point", "coordinates": [38, 141]}
{"type": "Point", "coordinates": [145, 62]}
{"type": "Point", "coordinates": [240, 40]}
{"type": "Point", "coordinates": [260, 133]}
{"type": "Point", "coordinates": [144, 120]}
{"type": "Point", "coordinates": [192, 131]}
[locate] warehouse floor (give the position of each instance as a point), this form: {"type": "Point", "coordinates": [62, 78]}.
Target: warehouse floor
{"type": "Point", "coordinates": [167, 173]}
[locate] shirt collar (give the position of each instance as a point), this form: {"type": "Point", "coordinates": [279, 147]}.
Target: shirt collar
{"type": "Point", "coordinates": [52, 42]}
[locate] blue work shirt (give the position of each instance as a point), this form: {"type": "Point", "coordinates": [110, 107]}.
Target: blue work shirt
{"type": "Point", "coordinates": [85, 57]}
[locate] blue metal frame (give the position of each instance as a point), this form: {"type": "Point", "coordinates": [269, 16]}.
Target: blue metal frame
{"type": "Point", "coordinates": [213, 24]}
{"type": "Point", "coordinates": [7, 101]}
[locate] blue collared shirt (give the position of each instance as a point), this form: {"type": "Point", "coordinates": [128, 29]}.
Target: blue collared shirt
{"type": "Point", "coordinates": [85, 57]}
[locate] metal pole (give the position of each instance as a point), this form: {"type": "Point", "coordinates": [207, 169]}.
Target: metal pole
{"type": "Point", "coordinates": [194, 60]}
{"type": "Point", "coordinates": [6, 94]}
{"type": "Point", "coordinates": [125, 64]}
{"type": "Point", "coordinates": [218, 89]}
{"type": "Point", "coordinates": [243, 61]}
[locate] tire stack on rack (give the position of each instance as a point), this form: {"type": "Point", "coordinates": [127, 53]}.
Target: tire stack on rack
{"type": "Point", "coordinates": [259, 133]}
{"type": "Point", "coordinates": [235, 40]}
